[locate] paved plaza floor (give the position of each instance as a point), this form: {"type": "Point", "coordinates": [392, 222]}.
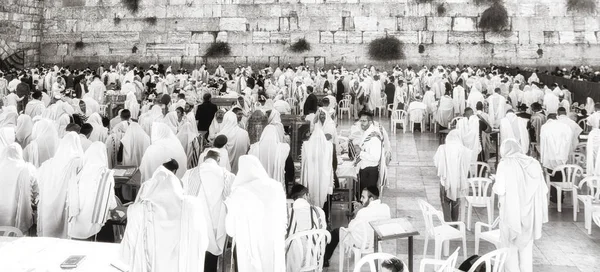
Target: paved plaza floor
{"type": "Point", "coordinates": [565, 245]}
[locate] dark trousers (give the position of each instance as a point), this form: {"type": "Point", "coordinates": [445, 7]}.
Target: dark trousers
{"type": "Point", "coordinates": [367, 177]}
{"type": "Point", "coordinates": [450, 208]}
{"type": "Point", "coordinates": [22, 104]}
{"type": "Point", "coordinates": [335, 240]}
{"type": "Point", "coordinates": [210, 262]}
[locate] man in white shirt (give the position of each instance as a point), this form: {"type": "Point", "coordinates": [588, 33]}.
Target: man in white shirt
{"type": "Point", "coordinates": [12, 85]}
{"type": "Point", "coordinates": [594, 119]}
{"type": "Point", "coordinates": [211, 183]}
{"type": "Point", "coordinates": [371, 147]}
{"type": "Point", "coordinates": [555, 142]}
{"type": "Point", "coordinates": [369, 209]}
{"type": "Point", "coordinates": [575, 128]}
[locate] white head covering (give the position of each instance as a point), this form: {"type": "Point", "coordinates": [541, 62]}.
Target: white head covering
{"type": "Point", "coordinates": [186, 135]}
{"type": "Point", "coordinates": [272, 153]}
{"type": "Point", "coordinates": [135, 142]}
{"type": "Point", "coordinates": [15, 196]}
{"type": "Point", "coordinates": [44, 142]}
{"type": "Point", "coordinates": [165, 146]}
{"type": "Point", "coordinates": [171, 121]}
{"type": "Point", "coordinates": [238, 141]}
{"type": "Point", "coordinates": [317, 168]}
{"type": "Point", "coordinates": [100, 133]}
{"type": "Point", "coordinates": [7, 137]}
{"type": "Point", "coordinates": [8, 118]}
{"type": "Point", "coordinates": [452, 160]}
{"type": "Point", "coordinates": [132, 105]}
{"type": "Point", "coordinates": [24, 129]}
{"type": "Point", "coordinates": [215, 126]}
{"type": "Point", "coordinates": [275, 120]}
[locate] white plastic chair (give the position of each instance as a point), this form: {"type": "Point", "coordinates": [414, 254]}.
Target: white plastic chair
{"type": "Point", "coordinates": [480, 197]}
{"type": "Point", "coordinates": [416, 117]}
{"type": "Point", "coordinates": [8, 231]}
{"type": "Point", "coordinates": [432, 123]}
{"type": "Point", "coordinates": [441, 266]}
{"type": "Point", "coordinates": [443, 233]}
{"type": "Point", "coordinates": [492, 235]}
{"type": "Point", "coordinates": [583, 123]}
{"type": "Point", "coordinates": [311, 243]}
{"type": "Point", "coordinates": [454, 121]}
{"type": "Point", "coordinates": [366, 246]}
{"type": "Point", "coordinates": [569, 172]}
{"type": "Point", "coordinates": [344, 106]}
{"type": "Point", "coordinates": [398, 117]}
{"type": "Point", "coordinates": [592, 196]}
{"type": "Point", "coordinates": [381, 108]}
{"type": "Point", "coordinates": [370, 259]}
{"type": "Point", "coordinates": [479, 170]}
{"type": "Point", "coordinates": [577, 158]}
{"type": "Point", "coordinates": [493, 261]}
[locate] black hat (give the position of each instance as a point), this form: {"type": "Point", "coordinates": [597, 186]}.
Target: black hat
{"type": "Point", "coordinates": [522, 107]}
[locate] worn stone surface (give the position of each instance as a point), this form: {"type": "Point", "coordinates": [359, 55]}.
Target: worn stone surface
{"type": "Point", "coordinates": [260, 31]}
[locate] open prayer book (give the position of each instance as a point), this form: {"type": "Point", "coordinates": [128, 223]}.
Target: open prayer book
{"type": "Point", "coordinates": [124, 172]}
{"type": "Point", "coordinates": [393, 228]}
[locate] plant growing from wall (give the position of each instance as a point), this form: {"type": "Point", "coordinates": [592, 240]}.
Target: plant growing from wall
{"type": "Point", "coordinates": [301, 45]}
{"type": "Point", "coordinates": [134, 49]}
{"type": "Point", "coordinates": [421, 49]}
{"type": "Point", "coordinates": [132, 5]}
{"type": "Point", "coordinates": [441, 9]}
{"type": "Point", "coordinates": [79, 45]}
{"type": "Point", "coordinates": [540, 52]}
{"type": "Point", "coordinates": [386, 48]}
{"type": "Point", "coordinates": [116, 21]}
{"type": "Point", "coordinates": [481, 2]}
{"type": "Point", "coordinates": [585, 6]}
{"type": "Point", "coordinates": [218, 49]}
{"type": "Point", "coordinates": [150, 20]}
{"type": "Point", "coordinates": [423, 1]}
{"type": "Point", "coordinates": [494, 18]}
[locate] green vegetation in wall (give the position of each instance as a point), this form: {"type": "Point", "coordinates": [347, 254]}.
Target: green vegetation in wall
{"type": "Point", "coordinates": [132, 5]}
{"type": "Point", "coordinates": [301, 45]}
{"type": "Point", "coordinates": [494, 18]}
{"type": "Point", "coordinates": [584, 6]}
{"type": "Point", "coordinates": [387, 48]}
{"type": "Point", "coordinates": [218, 49]}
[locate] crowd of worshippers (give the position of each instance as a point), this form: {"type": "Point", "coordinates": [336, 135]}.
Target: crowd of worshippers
{"type": "Point", "coordinates": [582, 73]}
{"type": "Point", "coordinates": [60, 151]}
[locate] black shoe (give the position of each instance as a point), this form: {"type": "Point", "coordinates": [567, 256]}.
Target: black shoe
{"type": "Point", "coordinates": [326, 263]}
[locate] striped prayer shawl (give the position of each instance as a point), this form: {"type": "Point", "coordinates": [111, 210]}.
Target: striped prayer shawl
{"type": "Point", "coordinates": [100, 212]}
{"type": "Point", "coordinates": [197, 148]}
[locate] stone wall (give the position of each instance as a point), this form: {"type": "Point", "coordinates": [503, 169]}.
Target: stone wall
{"type": "Point", "coordinates": [339, 31]}
{"type": "Point", "coordinates": [20, 32]}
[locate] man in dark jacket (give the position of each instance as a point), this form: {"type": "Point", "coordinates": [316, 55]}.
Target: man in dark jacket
{"type": "Point", "coordinates": [23, 92]}
{"type": "Point", "coordinates": [390, 90]}
{"type": "Point", "coordinates": [81, 88]}
{"type": "Point", "coordinates": [205, 113]}
{"type": "Point", "coordinates": [340, 89]}
{"type": "Point", "coordinates": [312, 102]}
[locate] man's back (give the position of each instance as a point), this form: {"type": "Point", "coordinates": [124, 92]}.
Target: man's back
{"type": "Point", "coordinates": [22, 89]}
{"type": "Point", "coordinates": [205, 114]}
{"type": "Point", "coordinates": [360, 224]}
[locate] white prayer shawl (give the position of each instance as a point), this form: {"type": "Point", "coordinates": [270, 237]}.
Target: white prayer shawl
{"type": "Point", "coordinates": [514, 127]}
{"type": "Point", "coordinates": [171, 121]}
{"type": "Point", "coordinates": [589, 105]}
{"type": "Point", "coordinates": [7, 137]}
{"type": "Point", "coordinates": [165, 229]}
{"type": "Point", "coordinates": [8, 118]}
{"type": "Point", "coordinates": [113, 143]}
{"type": "Point", "coordinates": [446, 111]}
{"type": "Point", "coordinates": [91, 105]}
{"type": "Point", "coordinates": [469, 134]}
{"type": "Point", "coordinates": [132, 105]}
{"type": "Point", "coordinates": [238, 140]}
{"type": "Point", "coordinates": [165, 146]}
{"type": "Point", "coordinates": [592, 147]}
{"type": "Point", "coordinates": [54, 176]}
{"type": "Point", "coordinates": [474, 97]}
{"type": "Point", "coordinates": [91, 195]}
{"type": "Point", "coordinates": [594, 120]}
{"type": "Point", "coordinates": [516, 96]}
{"type": "Point", "coordinates": [453, 160]}
{"type": "Point", "coordinates": [97, 90]}
{"type": "Point", "coordinates": [522, 192]}
{"type": "Point", "coordinates": [328, 126]}
{"type": "Point", "coordinates": [17, 181]}
{"type": "Point", "coordinates": [215, 127]}
{"type": "Point", "coordinates": [429, 101]}
{"type": "Point", "coordinates": [497, 109]}
{"type": "Point", "coordinates": [551, 103]}
{"type": "Point", "coordinates": [99, 133]}
{"type": "Point", "coordinates": [223, 157]}
{"type": "Point", "coordinates": [275, 120]}
{"type": "Point", "coordinates": [304, 217]}
{"type": "Point", "coordinates": [256, 218]}
{"type": "Point", "coordinates": [458, 98]}
{"type": "Point", "coordinates": [186, 136]}
{"type": "Point", "coordinates": [23, 130]}
{"type": "Point", "coordinates": [135, 142]}
{"type": "Point", "coordinates": [44, 142]}
{"type": "Point", "coordinates": [555, 143]}
{"type": "Point", "coordinates": [211, 183]}
{"type": "Point", "coordinates": [575, 130]}
{"type": "Point", "coordinates": [317, 167]}
{"type": "Point", "coordinates": [34, 108]}
{"type": "Point", "coordinates": [533, 78]}
{"type": "Point", "coordinates": [272, 153]}
{"type": "Point", "coordinates": [147, 119]}
{"type": "Point", "coordinates": [375, 97]}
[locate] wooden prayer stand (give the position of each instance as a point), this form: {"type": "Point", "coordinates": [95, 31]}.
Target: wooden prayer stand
{"type": "Point", "coordinates": [223, 102]}
{"type": "Point", "coordinates": [396, 228]}
{"type": "Point", "coordinates": [298, 128]}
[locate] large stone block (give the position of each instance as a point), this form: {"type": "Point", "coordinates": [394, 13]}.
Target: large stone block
{"type": "Point", "coordinates": [440, 37]}
{"type": "Point", "coordinates": [471, 37]}
{"type": "Point", "coordinates": [236, 37]}
{"type": "Point", "coordinates": [325, 37]}
{"type": "Point", "coordinates": [505, 37]}
{"type": "Point", "coordinates": [571, 37]}
{"type": "Point", "coordinates": [340, 37]}
{"type": "Point", "coordinates": [354, 37]}
{"type": "Point", "coordinates": [439, 23]}
{"type": "Point", "coordinates": [464, 24]}
{"type": "Point", "coordinates": [525, 51]}
{"type": "Point", "coordinates": [198, 24]}
{"type": "Point", "coordinates": [261, 37]}
{"type": "Point", "coordinates": [202, 37]}
{"type": "Point", "coordinates": [592, 23]}
{"type": "Point", "coordinates": [368, 36]}
{"type": "Point", "coordinates": [280, 37]}
{"type": "Point", "coordinates": [406, 36]}
{"type": "Point", "coordinates": [386, 24]}
{"type": "Point", "coordinates": [526, 9]}
{"type": "Point", "coordinates": [167, 50]}
{"type": "Point", "coordinates": [425, 37]}
{"type": "Point", "coordinates": [524, 37]}
{"type": "Point", "coordinates": [264, 24]}
{"type": "Point", "coordinates": [116, 36]}
{"type": "Point", "coordinates": [411, 23]}
{"type": "Point", "coordinates": [365, 23]}
{"type": "Point", "coordinates": [233, 24]}
{"type": "Point", "coordinates": [551, 37]}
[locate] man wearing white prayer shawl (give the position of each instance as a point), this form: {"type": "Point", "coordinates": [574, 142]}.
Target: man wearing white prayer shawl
{"type": "Point", "coordinates": [216, 125]}
{"type": "Point", "coordinates": [275, 120]}
{"type": "Point", "coordinates": [100, 133]}
{"type": "Point", "coordinates": [113, 143]}
{"type": "Point", "coordinates": [135, 142]}
{"type": "Point", "coordinates": [458, 98]}
{"type": "Point", "coordinates": [594, 119]}
{"type": "Point", "coordinates": [18, 179]}
{"type": "Point", "coordinates": [575, 128]}
{"type": "Point", "coordinates": [147, 119]}
{"type": "Point", "coordinates": [452, 160]}
{"type": "Point", "coordinates": [219, 145]}
{"type": "Point", "coordinates": [317, 167]}
{"type": "Point", "coordinates": [551, 103]}
{"type": "Point", "coordinates": [44, 142]}
{"type": "Point", "coordinates": [523, 205]}
{"type": "Point", "coordinates": [497, 108]}
{"type": "Point", "coordinates": [514, 127]}
{"type": "Point", "coordinates": [468, 129]}
{"type": "Point", "coordinates": [238, 141]}
{"type": "Point", "coordinates": [35, 106]}
{"type": "Point", "coordinates": [445, 110]}
{"type": "Point", "coordinates": [165, 228]}
{"type": "Point", "coordinates": [555, 143]}
{"type": "Point", "coordinates": [23, 130]}
{"type": "Point", "coordinates": [54, 176]}
{"type": "Point", "coordinates": [186, 136]}
{"type": "Point", "coordinates": [256, 218]}
{"type": "Point", "coordinates": [8, 117]}
{"type": "Point", "coordinates": [165, 146]}
{"type": "Point", "coordinates": [7, 137]}
{"type": "Point", "coordinates": [91, 195]}
{"type": "Point", "coordinates": [97, 89]}
{"type": "Point", "coordinates": [132, 105]}
{"type": "Point", "coordinates": [211, 183]}
{"type": "Point", "coordinates": [592, 148]}
{"type": "Point", "coordinates": [474, 97]}
{"type": "Point", "coordinates": [272, 153]}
